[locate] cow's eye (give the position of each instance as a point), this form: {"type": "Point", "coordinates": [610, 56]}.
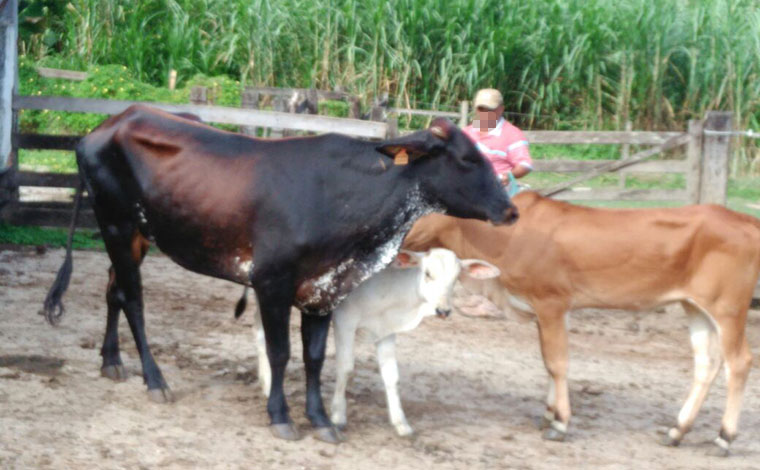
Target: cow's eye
{"type": "Point", "coordinates": [428, 276]}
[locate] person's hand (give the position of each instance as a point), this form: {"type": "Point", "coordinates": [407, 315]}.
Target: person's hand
{"type": "Point", "coordinates": [504, 179]}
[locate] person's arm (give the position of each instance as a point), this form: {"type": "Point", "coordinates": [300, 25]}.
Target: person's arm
{"type": "Point", "coordinates": [519, 155]}
{"type": "Point", "coordinates": [521, 170]}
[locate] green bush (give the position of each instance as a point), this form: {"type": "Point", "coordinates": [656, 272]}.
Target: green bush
{"type": "Point", "coordinates": [115, 82]}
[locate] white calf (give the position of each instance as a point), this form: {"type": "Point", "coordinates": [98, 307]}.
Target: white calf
{"type": "Point", "coordinates": [416, 285]}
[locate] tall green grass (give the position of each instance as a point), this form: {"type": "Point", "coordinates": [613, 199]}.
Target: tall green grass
{"type": "Point", "coordinates": [563, 63]}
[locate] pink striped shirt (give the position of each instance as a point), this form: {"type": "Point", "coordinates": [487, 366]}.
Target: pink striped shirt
{"type": "Point", "coordinates": [504, 146]}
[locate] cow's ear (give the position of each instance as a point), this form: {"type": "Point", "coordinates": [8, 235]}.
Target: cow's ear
{"type": "Point", "coordinates": [478, 269]}
{"type": "Point", "coordinates": [407, 259]}
{"type": "Point", "coordinates": [413, 146]}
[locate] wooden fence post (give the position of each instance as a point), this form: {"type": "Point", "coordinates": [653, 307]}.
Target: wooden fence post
{"type": "Point", "coordinates": [8, 59]}
{"type": "Point", "coordinates": [8, 117]}
{"type": "Point", "coordinates": [355, 109]}
{"type": "Point", "coordinates": [715, 154]}
{"type": "Point", "coordinates": [694, 160]}
{"type": "Point", "coordinates": [249, 99]}
{"type": "Point", "coordinates": [312, 101]}
{"type": "Point", "coordinates": [392, 131]}
{"type": "Point", "coordinates": [625, 152]}
{"type": "Point", "coordinates": [464, 113]}
{"type": "Point", "coordinates": [280, 104]}
{"type": "Point", "coordinates": [172, 79]}
{"type": "Point", "coordinates": [199, 95]}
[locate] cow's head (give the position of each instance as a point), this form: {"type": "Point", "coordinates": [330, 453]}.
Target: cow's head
{"type": "Point", "coordinates": [452, 173]}
{"type": "Point", "coordinates": [439, 270]}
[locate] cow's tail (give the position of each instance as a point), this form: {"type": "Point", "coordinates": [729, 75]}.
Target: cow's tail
{"type": "Point", "coordinates": [242, 303]}
{"type": "Point", "coordinates": [53, 307]}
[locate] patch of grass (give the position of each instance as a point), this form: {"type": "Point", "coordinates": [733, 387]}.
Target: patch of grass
{"type": "Point", "coordinates": [650, 181]}
{"type": "Point", "coordinates": [84, 239]}
{"type": "Point", "coordinates": [333, 108]}
{"type": "Point", "coordinates": [744, 188]}
{"type": "Point", "coordinates": [55, 161]}
{"type": "Point", "coordinates": [539, 180]}
{"type": "Point", "coordinates": [574, 152]}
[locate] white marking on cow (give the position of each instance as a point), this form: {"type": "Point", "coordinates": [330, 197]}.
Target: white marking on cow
{"type": "Point", "coordinates": [325, 288]}
{"type": "Point", "coordinates": [244, 267]}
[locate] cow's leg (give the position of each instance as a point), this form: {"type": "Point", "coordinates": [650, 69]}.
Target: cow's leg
{"type": "Point", "coordinates": [345, 332]}
{"type": "Point", "coordinates": [738, 361]}
{"type": "Point", "coordinates": [386, 358]}
{"type": "Point", "coordinates": [112, 366]}
{"type": "Point", "coordinates": [265, 373]}
{"type": "Point", "coordinates": [119, 238]}
{"type": "Point", "coordinates": [705, 345]}
{"type": "Point", "coordinates": [553, 336]}
{"type": "Point", "coordinates": [274, 307]}
{"type": "Point", "coordinates": [314, 331]}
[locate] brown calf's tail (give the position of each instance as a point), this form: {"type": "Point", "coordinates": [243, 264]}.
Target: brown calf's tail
{"type": "Point", "coordinates": [53, 307]}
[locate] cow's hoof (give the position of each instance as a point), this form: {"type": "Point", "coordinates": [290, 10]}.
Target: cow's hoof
{"type": "Point", "coordinates": [341, 426]}
{"type": "Point", "coordinates": [546, 421]}
{"type": "Point", "coordinates": [720, 448]}
{"type": "Point", "coordinates": [672, 438]}
{"type": "Point", "coordinates": [161, 395]}
{"type": "Point", "coordinates": [116, 372]}
{"type": "Point", "coordinates": [329, 434]}
{"type": "Point", "coordinates": [552, 434]}
{"type": "Point", "coordinates": [404, 430]}
{"type": "Point", "coordinates": [286, 431]}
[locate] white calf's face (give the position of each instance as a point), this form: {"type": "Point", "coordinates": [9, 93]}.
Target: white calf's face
{"type": "Point", "coordinates": [440, 269]}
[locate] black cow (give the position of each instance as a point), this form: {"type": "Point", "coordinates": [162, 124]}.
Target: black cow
{"type": "Point", "coordinates": [301, 220]}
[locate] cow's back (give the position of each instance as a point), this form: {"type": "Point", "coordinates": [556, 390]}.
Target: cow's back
{"type": "Point", "coordinates": [590, 257]}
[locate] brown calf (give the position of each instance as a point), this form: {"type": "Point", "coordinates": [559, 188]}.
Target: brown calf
{"type": "Point", "coordinates": [561, 257]}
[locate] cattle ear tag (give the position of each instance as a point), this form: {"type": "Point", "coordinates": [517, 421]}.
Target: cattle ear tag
{"type": "Point", "coordinates": [401, 158]}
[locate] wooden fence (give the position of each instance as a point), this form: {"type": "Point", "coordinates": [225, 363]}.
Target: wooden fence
{"type": "Point", "coordinates": [704, 164]}
{"type": "Point", "coordinates": [57, 213]}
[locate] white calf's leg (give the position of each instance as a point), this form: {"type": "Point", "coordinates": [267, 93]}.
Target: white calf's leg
{"type": "Point", "coordinates": [265, 373]}
{"type": "Point", "coordinates": [386, 358]}
{"type": "Point", "coordinates": [345, 331]}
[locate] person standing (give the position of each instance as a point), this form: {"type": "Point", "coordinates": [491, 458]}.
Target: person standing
{"type": "Point", "coordinates": [503, 144]}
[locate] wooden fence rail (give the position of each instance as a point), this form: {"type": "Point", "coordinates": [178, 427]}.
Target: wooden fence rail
{"type": "Point", "coordinates": [214, 114]}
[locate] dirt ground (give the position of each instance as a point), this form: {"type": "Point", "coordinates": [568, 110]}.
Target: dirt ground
{"type": "Point", "coordinates": [472, 388]}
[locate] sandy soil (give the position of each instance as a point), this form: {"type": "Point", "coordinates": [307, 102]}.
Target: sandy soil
{"type": "Point", "coordinates": [472, 387]}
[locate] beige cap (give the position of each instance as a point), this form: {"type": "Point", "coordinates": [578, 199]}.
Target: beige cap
{"type": "Point", "coordinates": [489, 98]}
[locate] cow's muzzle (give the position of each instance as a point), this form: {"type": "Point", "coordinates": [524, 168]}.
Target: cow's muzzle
{"type": "Point", "coordinates": [508, 217]}
{"type": "Point", "coordinates": [443, 312]}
